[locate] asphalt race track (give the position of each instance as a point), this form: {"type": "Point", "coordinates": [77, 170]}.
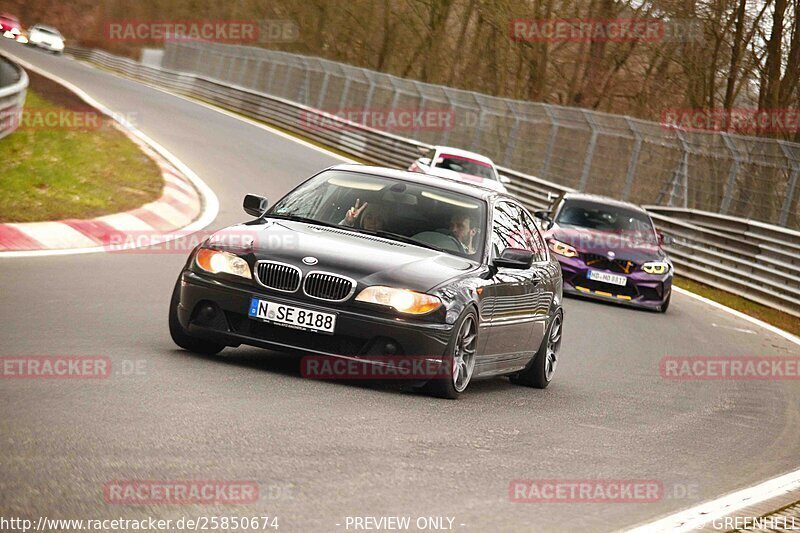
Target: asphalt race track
{"type": "Point", "coordinates": [322, 451]}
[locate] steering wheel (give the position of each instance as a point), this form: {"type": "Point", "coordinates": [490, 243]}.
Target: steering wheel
{"type": "Point", "coordinates": [445, 231]}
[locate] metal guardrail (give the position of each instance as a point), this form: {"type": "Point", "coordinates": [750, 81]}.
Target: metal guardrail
{"type": "Point", "coordinates": [13, 86]}
{"type": "Point", "coordinates": [641, 161]}
{"type": "Point", "coordinates": [755, 260]}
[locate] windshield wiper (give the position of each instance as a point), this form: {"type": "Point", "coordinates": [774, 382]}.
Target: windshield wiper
{"type": "Point", "coordinates": [307, 220]}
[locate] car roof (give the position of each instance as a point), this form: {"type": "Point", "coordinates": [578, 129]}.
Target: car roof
{"type": "Point", "coordinates": [45, 27]}
{"type": "Point", "coordinates": [475, 191]}
{"type": "Point", "coordinates": [464, 153]}
{"type": "Point", "coordinates": [605, 200]}
{"type": "Point", "coordinates": [8, 16]}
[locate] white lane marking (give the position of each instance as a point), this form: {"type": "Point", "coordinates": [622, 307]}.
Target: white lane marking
{"type": "Point", "coordinates": [126, 222]}
{"type": "Point", "coordinates": [760, 323]}
{"type": "Point", "coordinates": [54, 234]}
{"type": "Point", "coordinates": [707, 512]}
{"type": "Point", "coordinates": [741, 330]}
{"type": "Point", "coordinates": [210, 203]}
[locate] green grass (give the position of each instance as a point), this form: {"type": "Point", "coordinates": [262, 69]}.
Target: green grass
{"type": "Point", "coordinates": [778, 319]}
{"type": "Point", "coordinates": [52, 174]}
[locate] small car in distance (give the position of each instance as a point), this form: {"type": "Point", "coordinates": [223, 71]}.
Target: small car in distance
{"type": "Point", "coordinates": [461, 165]}
{"type": "Point", "coordinates": [366, 263]}
{"type": "Point", "coordinates": [46, 38]}
{"type": "Point", "coordinates": [609, 250]}
{"type": "Point", "coordinates": [10, 28]}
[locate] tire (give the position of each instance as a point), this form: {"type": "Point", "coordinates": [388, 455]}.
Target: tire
{"type": "Point", "coordinates": [542, 369]}
{"type": "Point", "coordinates": [463, 349]}
{"type": "Point", "coordinates": [179, 335]}
{"type": "Point", "coordinates": [665, 305]}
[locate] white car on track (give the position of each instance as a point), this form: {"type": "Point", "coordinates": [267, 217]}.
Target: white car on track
{"type": "Point", "coordinates": [460, 165]}
{"type": "Point", "coordinates": [46, 37]}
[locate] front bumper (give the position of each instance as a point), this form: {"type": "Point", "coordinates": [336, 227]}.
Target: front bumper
{"type": "Point", "coordinates": [357, 333]}
{"type": "Point", "coordinates": [643, 290]}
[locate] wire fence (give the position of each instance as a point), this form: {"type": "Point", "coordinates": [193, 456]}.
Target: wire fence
{"type": "Point", "coordinates": [641, 161]}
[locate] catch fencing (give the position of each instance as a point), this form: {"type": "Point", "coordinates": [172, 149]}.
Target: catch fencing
{"type": "Point", "coordinates": [758, 261]}
{"type": "Point", "coordinates": [641, 161]}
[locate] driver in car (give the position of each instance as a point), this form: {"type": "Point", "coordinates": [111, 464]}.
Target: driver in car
{"type": "Point", "coordinates": [464, 228]}
{"type": "Point", "coordinates": [371, 217]}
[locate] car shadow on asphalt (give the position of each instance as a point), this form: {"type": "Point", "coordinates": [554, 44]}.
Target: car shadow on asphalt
{"type": "Point", "coordinates": [289, 365]}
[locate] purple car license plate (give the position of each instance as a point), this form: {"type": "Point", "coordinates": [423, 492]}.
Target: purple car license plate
{"type": "Point", "coordinates": [608, 277]}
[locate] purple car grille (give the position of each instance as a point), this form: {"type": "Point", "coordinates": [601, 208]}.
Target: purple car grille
{"type": "Point", "coordinates": [623, 266]}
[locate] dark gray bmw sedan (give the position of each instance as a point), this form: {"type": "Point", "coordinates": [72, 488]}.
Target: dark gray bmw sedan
{"type": "Point", "coordinates": [378, 266]}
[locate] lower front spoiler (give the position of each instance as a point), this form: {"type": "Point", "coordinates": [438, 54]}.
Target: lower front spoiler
{"type": "Point", "coordinates": [357, 334]}
{"type": "Point", "coordinates": [639, 303]}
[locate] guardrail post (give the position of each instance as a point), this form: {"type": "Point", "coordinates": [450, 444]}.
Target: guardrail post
{"type": "Point", "coordinates": [634, 160]}
{"type": "Point", "coordinates": [727, 193]}
{"type": "Point", "coordinates": [681, 174]}
{"type": "Point", "coordinates": [511, 142]}
{"type": "Point", "coordinates": [551, 143]}
{"type": "Point", "coordinates": [587, 161]}
{"type": "Point", "coordinates": [476, 139]}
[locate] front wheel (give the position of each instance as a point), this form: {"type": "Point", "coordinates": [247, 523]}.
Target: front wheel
{"type": "Point", "coordinates": [541, 371]}
{"type": "Point", "coordinates": [461, 358]}
{"type": "Point", "coordinates": [179, 335]}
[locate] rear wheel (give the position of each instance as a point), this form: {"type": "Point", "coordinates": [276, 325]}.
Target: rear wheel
{"type": "Point", "coordinates": [543, 368]}
{"type": "Point", "coordinates": [179, 335]}
{"type": "Point", "coordinates": [461, 358]}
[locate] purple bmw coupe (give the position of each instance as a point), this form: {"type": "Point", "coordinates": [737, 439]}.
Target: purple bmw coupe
{"type": "Point", "coordinates": [608, 250]}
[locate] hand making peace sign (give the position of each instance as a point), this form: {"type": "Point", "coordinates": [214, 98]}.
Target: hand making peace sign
{"type": "Point", "coordinates": [354, 212]}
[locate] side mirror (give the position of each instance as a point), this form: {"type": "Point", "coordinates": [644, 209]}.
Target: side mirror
{"type": "Point", "coordinates": [514, 258]}
{"type": "Point", "coordinates": [504, 179]}
{"type": "Point", "coordinates": [255, 205]}
{"type": "Point", "coordinates": [543, 214]}
{"type": "Point", "coordinates": [426, 161]}
{"type": "Point", "coordinates": [664, 240]}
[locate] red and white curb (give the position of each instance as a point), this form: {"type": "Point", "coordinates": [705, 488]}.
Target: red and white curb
{"type": "Point", "coordinates": [186, 205]}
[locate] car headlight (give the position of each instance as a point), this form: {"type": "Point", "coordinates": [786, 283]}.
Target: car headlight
{"type": "Point", "coordinates": [216, 262]}
{"type": "Point", "coordinates": [403, 300]}
{"type": "Point", "coordinates": [656, 267]}
{"type": "Point", "coordinates": [562, 248]}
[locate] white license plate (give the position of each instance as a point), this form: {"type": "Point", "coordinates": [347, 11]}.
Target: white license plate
{"type": "Point", "coordinates": [607, 277]}
{"type": "Point", "coordinates": [292, 317]}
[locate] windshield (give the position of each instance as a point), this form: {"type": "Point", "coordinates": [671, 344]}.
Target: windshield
{"type": "Point", "coordinates": [464, 165]}
{"type": "Point", "coordinates": [597, 216]}
{"type": "Point", "coordinates": [48, 31]}
{"type": "Point", "coordinates": [391, 208]}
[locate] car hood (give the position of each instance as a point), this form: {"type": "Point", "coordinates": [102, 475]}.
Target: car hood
{"type": "Point", "coordinates": [634, 246]}
{"type": "Point", "coordinates": [466, 178]}
{"type": "Point", "coordinates": [367, 259]}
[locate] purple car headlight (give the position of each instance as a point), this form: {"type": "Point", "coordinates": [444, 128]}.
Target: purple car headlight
{"type": "Point", "coordinates": [562, 248]}
{"type": "Point", "coordinates": [656, 267]}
